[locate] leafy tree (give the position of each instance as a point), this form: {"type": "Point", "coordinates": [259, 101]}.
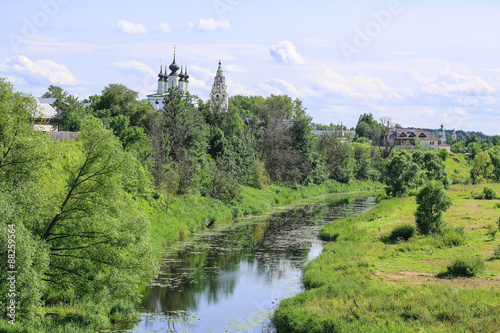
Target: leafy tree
{"type": "Point", "coordinates": [400, 173]}
{"type": "Point", "coordinates": [70, 111]}
{"type": "Point", "coordinates": [495, 161]}
{"type": "Point", "coordinates": [98, 239]}
{"type": "Point", "coordinates": [482, 168]}
{"type": "Point", "coordinates": [435, 169]}
{"type": "Point", "coordinates": [338, 157]}
{"type": "Point", "coordinates": [432, 202]}
{"type": "Point", "coordinates": [362, 161]}
{"type": "Point", "coordinates": [22, 148]}
{"type": "Point", "coordinates": [368, 127]}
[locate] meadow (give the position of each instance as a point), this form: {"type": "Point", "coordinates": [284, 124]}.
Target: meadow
{"type": "Point", "coordinates": [365, 282]}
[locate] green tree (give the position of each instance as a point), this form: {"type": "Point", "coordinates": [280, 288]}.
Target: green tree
{"type": "Point", "coordinates": [400, 174]}
{"type": "Point", "coordinates": [338, 157]}
{"type": "Point", "coordinates": [495, 161]}
{"type": "Point", "coordinates": [368, 127]}
{"type": "Point", "coordinates": [482, 169]}
{"type": "Point", "coordinates": [70, 111]}
{"type": "Point", "coordinates": [432, 202]}
{"type": "Point", "coordinates": [98, 238]}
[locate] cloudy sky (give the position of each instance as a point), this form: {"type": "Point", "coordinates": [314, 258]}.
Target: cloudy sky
{"type": "Point", "coordinates": [422, 63]}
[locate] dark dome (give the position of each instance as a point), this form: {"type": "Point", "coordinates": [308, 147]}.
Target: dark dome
{"type": "Point", "coordinates": [174, 67]}
{"type": "Point", "coordinates": [181, 75]}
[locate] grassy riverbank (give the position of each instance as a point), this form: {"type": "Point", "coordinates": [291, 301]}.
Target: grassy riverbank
{"type": "Point", "coordinates": [362, 284]}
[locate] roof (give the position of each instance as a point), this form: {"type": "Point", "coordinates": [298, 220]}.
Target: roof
{"type": "Point", "coordinates": [45, 108]}
{"type": "Point", "coordinates": [410, 134]}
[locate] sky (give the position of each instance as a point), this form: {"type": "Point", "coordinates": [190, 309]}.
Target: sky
{"type": "Point", "coordinates": [423, 63]}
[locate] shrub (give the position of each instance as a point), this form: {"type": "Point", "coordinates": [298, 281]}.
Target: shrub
{"type": "Point", "coordinates": [453, 237]}
{"type": "Point", "coordinates": [464, 267]}
{"type": "Point", "coordinates": [402, 232]}
{"type": "Point", "coordinates": [489, 193]}
{"type": "Point", "coordinates": [492, 231]}
{"type": "Point", "coordinates": [123, 312]}
{"type": "Point", "coordinates": [497, 253]}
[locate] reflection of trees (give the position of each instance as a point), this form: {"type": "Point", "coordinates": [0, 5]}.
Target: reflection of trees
{"type": "Point", "coordinates": [208, 270]}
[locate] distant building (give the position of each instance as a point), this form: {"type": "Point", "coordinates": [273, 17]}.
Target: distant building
{"type": "Point", "coordinates": [442, 134]}
{"type": "Point", "coordinates": [45, 113]}
{"type": "Point", "coordinates": [409, 138]}
{"type": "Point", "coordinates": [219, 90]}
{"type": "Point", "coordinates": [167, 81]}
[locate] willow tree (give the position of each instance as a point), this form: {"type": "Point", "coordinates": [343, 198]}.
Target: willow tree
{"type": "Point", "coordinates": [98, 239]}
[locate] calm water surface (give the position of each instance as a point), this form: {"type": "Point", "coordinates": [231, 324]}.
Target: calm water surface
{"type": "Point", "coordinates": [230, 280]}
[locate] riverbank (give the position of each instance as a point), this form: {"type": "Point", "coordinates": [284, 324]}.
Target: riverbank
{"type": "Point", "coordinates": [362, 284]}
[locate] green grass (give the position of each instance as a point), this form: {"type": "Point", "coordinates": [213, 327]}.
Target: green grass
{"type": "Point", "coordinates": [362, 284]}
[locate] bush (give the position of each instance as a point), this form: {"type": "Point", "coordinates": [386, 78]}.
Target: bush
{"type": "Point", "coordinates": [497, 253]}
{"type": "Point", "coordinates": [489, 193]}
{"type": "Point", "coordinates": [453, 237]}
{"type": "Point", "coordinates": [402, 232]}
{"type": "Point", "coordinates": [123, 312]}
{"type": "Point", "coordinates": [464, 267]}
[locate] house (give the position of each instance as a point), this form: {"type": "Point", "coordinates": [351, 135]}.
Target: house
{"type": "Point", "coordinates": [46, 112]}
{"type": "Point", "coordinates": [411, 138]}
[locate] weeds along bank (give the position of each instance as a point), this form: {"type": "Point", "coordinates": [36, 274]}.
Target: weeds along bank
{"type": "Point", "coordinates": [365, 282]}
{"type": "Point", "coordinates": [186, 214]}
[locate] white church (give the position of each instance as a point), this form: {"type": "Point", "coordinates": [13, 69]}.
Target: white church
{"type": "Point", "coordinates": [181, 80]}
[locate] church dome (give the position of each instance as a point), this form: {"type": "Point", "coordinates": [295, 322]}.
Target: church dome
{"type": "Point", "coordinates": [174, 67]}
{"type": "Point", "coordinates": [181, 75]}
{"type": "Point", "coordinates": [186, 75]}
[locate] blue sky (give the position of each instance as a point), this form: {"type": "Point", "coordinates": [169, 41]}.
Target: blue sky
{"type": "Point", "coordinates": [422, 63]}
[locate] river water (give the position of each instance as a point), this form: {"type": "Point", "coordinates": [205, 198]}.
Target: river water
{"type": "Point", "coordinates": [231, 279]}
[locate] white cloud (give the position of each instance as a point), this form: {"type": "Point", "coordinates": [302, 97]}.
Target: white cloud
{"type": "Point", "coordinates": [285, 53]}
{"type": "Point", "coordinates": [134, 67]}
{"type": "Point", "coordinates": [201, 73]}
{"type": "Point", "coordinates": [20, 68]}
{"type": "Point", "coordinates": [235, 69]}
{"type": "Point", "coordinates": [165, 28]}
{"type": "Point", "coordinates": [210, 25]}
{"type": "Point", "coordinates": [131, 27]}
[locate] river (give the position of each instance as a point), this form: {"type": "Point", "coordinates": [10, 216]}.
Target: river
{"type": "Point", "coordinates": [229, 279]}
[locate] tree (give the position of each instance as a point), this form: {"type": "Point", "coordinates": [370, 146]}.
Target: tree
{"type": "Point", "coordinates": [482, 168]}
{"type": "Point", "coordinates": [495, 161]}
{"type": "Point", "coordinates": [22, 148]}
{"type": "Point", "coordinates": [97, 239]}
{"type": "Point", "coordinates": [70, 111]}
{"type": "Point", "coordinates": [338, 157]}
{"type": "Point", "coordinates": [432, 202]}
{"type": "Point", "coordinates": [400, 174]}
{"type": "Point", "coordinates": [368, 127]}
{"type": "Point", "coordinates": [385, 145]}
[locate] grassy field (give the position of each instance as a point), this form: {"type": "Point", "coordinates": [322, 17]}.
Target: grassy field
{"type": "Point", "coordinates": [364, 283]}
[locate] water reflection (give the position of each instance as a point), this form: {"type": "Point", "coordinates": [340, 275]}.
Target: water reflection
{"type": "Point", "coordinates": [230, 280]}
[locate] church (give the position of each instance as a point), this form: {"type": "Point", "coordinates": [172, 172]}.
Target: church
{"type": "Point", "coordinates": [181, 80]}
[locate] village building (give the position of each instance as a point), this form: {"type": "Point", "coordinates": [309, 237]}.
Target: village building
{"type": "Point", "coordinates": [45, 113]}
{"type": "Point", "coordinates": [413, 138]}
